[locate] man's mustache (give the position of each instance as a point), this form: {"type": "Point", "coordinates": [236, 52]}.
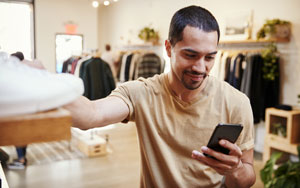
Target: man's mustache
{"type": "Point", "coordinates": [196, 73]}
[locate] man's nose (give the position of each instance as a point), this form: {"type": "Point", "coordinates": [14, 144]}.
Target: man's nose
{"type": "Point", "coordinates": [199, 66]}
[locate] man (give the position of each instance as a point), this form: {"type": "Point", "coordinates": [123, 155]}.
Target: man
{"type": "Point", "coordinates": [176, 113]}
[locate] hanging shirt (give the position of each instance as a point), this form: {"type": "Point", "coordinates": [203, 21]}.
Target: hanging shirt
{"type": "Point", "coordinates": [148, 66]}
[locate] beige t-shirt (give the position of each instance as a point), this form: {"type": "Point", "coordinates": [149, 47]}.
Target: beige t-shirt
{"type": "Point", "coordinates": [170, 129]}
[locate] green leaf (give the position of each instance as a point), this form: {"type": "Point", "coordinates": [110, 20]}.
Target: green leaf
{"type": "Point", "coordinates": [285, 176]}
{"type": "Point", "coordinates": [290, 183]}
{"type": "Point", "coordinates": [281, 170]}
{"type": "Point", "coordinates": [294, 167]}
{"type": "Point", "coordinates": [267, 172]}
{"type": "Point", "coordinates": [298, 148]}
{"type": "Point", "coordinates": [268, 185]}
{"type": "Point", "coordinates": [298, 180]}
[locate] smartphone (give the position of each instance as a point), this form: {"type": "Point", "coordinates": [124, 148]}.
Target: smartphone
{"type": "Point", "coordinates": [228, 132]}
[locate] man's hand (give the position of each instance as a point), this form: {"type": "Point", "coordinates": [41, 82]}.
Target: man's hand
{"type": "Point", "coordinates": [35, 63]}
{"type": "Point", "coordinates": [237, 167]}
{"type": "Point", "coordinates": [223, 164]}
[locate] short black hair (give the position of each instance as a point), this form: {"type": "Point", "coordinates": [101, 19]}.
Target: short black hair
{"type": "Point", "coordinates": [194, 16]}
{"type": "Point", "coordinates": [18, 55]}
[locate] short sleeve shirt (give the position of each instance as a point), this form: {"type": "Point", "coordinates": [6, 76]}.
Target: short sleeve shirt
{"type": "Point", "coordinates": [169, 129]}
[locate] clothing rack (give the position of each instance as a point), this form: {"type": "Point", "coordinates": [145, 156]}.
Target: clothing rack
{"type": "Point", "coordinates": [249, 50]}
{"type": "Point", "coordinates": [251, 46]}
{"type": "Point", "coordinates": [243, 69]}
{"type": "Point", "coordinates": [136, 63]}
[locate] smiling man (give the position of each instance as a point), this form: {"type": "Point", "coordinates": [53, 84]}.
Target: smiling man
{"type": "Point", "coordinates": [175, 113]}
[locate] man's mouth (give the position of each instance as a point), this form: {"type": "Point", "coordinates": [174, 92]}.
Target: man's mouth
{"type": "Point", "coordinates": [196, 76]}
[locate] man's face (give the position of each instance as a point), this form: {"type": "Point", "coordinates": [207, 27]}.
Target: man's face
{"type": "Point", "coordinates": [193, 57]}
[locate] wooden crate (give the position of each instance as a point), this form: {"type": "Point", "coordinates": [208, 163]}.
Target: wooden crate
{"type": "Point", "coordinates": [91, 146]}
{"type": "Point", "coordinates": [291, 119]}
{"type": "Point", "coordinates": [288, 144]}
{"type": "Point", "coordinates": [276, 143]}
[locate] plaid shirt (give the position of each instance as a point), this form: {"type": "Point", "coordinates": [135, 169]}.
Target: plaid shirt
{"type": "Point", "coordinates": [148, 65]}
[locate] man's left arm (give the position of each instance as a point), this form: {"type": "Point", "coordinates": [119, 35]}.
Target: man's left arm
{"type": "Point", "coordinates": [237, 167]}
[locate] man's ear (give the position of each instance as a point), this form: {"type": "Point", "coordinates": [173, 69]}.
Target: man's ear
{"type": "Point", "coordinates": [168, 47]}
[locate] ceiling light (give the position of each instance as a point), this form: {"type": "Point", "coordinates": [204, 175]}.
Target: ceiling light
{"type": "Point", "coordinates": [106, 3]}
{"type": "Point", "coordinates": [115, 0]}
{"type": "Point", "coordinates": [95, 4]}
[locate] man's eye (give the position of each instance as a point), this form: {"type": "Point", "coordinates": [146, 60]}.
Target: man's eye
{"type": "Point", "coordinates": [190, 55]}
{"type": "Point", "coordinates": [209, 58]}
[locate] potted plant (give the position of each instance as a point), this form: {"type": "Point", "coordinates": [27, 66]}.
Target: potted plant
{"type": "Point", "coordinates": [279, 129]}
{"type": "Point", "coordinates": [270, 66]}
{"type": "Point", "coordinates": [148, 34]}
{"type": "Point", "coordinates": [276, 29]}
{"type": "Point", "coordinates": [287, 175]}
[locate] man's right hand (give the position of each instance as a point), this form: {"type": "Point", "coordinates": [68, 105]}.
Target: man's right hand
{"type": "Point", "coordinates": [35, 63]}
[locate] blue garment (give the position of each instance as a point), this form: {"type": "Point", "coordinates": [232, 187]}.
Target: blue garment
{"type": "Point", "coordinates": [235, 75]}
{"type": "Point", "coordinates": [21, 151]}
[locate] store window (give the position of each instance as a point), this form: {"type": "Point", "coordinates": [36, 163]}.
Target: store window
{"type": "Point", "coordinates": [16, 27]}
{"type": "Point", "coordinates": [67, 46]}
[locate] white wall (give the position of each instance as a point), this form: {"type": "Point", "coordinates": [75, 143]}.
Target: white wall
{"type": "Point", "coordinates": [51, 15]}
{"type": "Point", "coordinates": [120, 22]}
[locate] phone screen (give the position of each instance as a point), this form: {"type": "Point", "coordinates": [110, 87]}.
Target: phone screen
{"type": "Point", "coordinates": [228, 132]}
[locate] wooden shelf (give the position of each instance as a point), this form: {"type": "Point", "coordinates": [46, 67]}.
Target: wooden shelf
{"type": "Point", "coordinates": [251, 41]}
{"type": "Point", "coordinates": [275, 142]}
{"type": "Point", "coordinates": [39, 127]}
{"type": "Point", "coordinates": [288, 144]}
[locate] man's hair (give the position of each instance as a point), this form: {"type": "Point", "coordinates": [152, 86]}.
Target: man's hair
{"type": "Point", "coordinates": [194, 16]}
{"type": "Point", "coordinates": [107, 47]}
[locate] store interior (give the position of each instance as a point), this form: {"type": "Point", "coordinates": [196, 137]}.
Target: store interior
{"type": "Point", "coordinates": [40, 29]}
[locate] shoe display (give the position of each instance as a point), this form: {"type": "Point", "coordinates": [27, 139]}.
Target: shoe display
{"type": "Point", "coordinates": [24, 89]}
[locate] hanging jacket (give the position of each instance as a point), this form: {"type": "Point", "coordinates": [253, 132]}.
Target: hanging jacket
{"type": "Point", "coordinates": [97, 78]}
{"type": "Point", "coordinates": [127, 67]}
{"type": "Point", "coordinates": [148, 65]}
{"type": "Point", "coordinates": [235, 75]}
{"type": "Point", "coordinates": [256, 92]}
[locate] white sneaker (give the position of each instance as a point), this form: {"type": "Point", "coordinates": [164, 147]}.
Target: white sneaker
{"type": "Point", "coordinates": [24, 89]}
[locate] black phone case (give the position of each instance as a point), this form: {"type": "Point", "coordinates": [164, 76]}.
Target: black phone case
{"type": "Point", "coordinates": [228, 132]}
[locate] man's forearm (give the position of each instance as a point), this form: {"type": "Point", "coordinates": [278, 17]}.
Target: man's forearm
{"type": "Point", "coordinates": [88, 114]}
{"type": "Point", "coordinates": [243, 177]}
{"type": "Point", "coordinates": [82, 113]}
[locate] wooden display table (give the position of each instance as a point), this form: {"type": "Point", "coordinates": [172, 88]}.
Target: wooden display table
{"type": "Point", "coordinates": [46, 126]}
{"type": "Point", "coordinates": [288, 144]}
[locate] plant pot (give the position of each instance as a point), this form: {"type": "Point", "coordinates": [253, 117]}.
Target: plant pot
{"type": "Point", "coordinates": [282, 33]}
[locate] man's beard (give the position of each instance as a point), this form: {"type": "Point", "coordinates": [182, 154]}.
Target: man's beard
{"type": "Point", "coordinates": [190, 84]}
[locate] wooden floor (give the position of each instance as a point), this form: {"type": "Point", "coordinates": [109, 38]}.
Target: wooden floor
{"type": "Point", "coordinates": [121, 168]}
